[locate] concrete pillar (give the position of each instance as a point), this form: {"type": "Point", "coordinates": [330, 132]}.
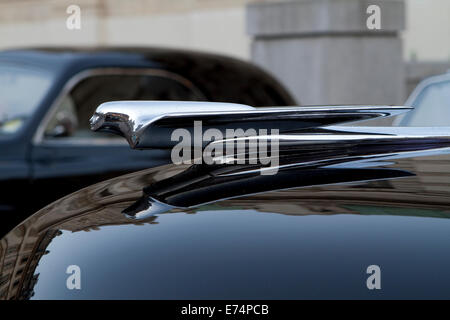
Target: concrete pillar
{"type": "Point", "coordinates": [324, 53]}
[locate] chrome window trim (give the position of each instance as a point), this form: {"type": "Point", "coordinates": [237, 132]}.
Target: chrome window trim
{"type": "Point", "coordinates": [38, 138]}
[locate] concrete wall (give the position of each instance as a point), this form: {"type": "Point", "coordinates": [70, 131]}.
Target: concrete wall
{"type": "Point", "coordinates": [324, 52]}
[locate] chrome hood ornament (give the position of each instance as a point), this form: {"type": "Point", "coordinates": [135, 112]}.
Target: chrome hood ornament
{"type": "Point", "coordinates": [147, 124]}
{"type": "Point", "coordinates": [313, 150]}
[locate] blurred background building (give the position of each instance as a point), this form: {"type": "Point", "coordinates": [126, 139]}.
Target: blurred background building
{"type": "Point", "coordinates": [226, 27]}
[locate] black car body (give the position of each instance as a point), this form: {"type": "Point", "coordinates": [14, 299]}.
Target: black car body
{"type": "Point", "coordinates": [345, 199]}
{"type": "Point", "coordinates": [48, 94]}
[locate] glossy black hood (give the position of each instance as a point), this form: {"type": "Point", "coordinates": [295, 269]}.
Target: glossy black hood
{"type": "Point", "coordinates": [303, 242]}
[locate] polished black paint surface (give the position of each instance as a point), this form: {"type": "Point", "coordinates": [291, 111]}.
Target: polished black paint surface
{"type": "Point", "coordinates": [247, 254]}
{"type": "Point", "coordinates": [310, 242]}
{"type": "Point", "coordinates": [32, 176]}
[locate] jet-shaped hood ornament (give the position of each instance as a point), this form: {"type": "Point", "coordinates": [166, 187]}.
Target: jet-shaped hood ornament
{"type": "Point", "coordinates": [313, 150]}
{"type": "Point", "coordinates": [149, 124]}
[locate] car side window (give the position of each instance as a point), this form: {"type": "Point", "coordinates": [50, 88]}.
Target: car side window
{"type": "Point", "coordinates": [71, 119]}
{"type": "Point", "coordinates": [431, 107]}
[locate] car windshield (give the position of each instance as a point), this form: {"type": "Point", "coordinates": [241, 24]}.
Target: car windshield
{"type": "Point", "coordinates": [21, 90]}
{"type": "Point", "coordinates": [431, 107]}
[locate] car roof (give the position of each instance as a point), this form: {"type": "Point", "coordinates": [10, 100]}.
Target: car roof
{"type": "Point", "coordinates": [208, 71]}
{"type": "Point", "coordinates": [69, 54]}
{"type": "Point", "coordinates": [79, 51]}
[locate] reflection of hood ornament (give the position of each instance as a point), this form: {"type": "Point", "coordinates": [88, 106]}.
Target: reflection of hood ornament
{"type": "Point", "coordinates": [146, 207]}
{"type": "Point", "coordinates": [186, 190]}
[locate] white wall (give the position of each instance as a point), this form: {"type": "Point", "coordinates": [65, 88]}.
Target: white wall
{"type": "Point", "coordinates": [217, 30]}
{"type": "Point", "coordinates": [428, 30]}
{"type": "Point", "coordinates": [211, 25]}
{"type": "Point", "coordinates": [217, 27]}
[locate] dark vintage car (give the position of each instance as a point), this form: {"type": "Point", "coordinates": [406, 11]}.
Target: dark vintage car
{"type": "Point", "coordinates": [47, 96]}
{"type": "Point", "coordinates": [345, 203]}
